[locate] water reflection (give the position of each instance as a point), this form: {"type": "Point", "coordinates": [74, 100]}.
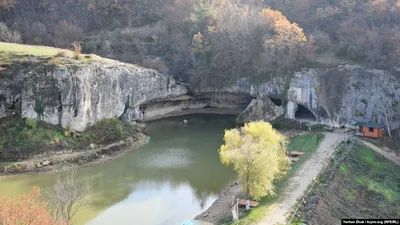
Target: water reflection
{"type": "Point", "coordinates": [173, 178]}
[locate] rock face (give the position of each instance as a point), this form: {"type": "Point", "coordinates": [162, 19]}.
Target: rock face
{"type": "Point", "coordinates": [347, 94]}
{"type": "Point", "coordinates": [332, 96]}
{"type": "Point", "coordinates": [78, 96]}
{"type": "Point", "coordinates": [261, 109]}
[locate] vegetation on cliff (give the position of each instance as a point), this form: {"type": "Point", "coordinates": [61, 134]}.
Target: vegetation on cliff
{"type": "Point", "coordinates": [12, 53]}
{"type": "Point", "coordinates": [24, 138]}
{"type": "Point", "coordinates": [191, 39]}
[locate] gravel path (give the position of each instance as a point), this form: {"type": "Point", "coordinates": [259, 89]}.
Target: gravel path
{"type": "Point", "coordinates": [304, 177]}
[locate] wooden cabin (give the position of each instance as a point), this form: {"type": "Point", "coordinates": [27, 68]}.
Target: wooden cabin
{"type": "Point", "coordinates": [371, 130]}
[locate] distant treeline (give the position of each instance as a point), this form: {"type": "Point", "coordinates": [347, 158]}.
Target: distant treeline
{"type": "Point", "coordinates": [212, 40]}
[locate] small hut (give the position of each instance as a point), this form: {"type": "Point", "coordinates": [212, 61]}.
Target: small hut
{"type": "Point", "coordinates": [371, 129]}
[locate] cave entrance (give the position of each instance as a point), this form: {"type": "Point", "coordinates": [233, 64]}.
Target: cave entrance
{"type": "Point", "coordinates": [276, 101]}
{"type": "Point", "coordinates": [303, 113]}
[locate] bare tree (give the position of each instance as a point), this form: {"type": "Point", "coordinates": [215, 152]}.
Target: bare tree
{"type": "Point", "coordinates": [67, 197]}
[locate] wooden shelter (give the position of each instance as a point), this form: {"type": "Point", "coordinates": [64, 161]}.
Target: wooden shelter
{"type": "Point", "coordinates": [371, 129]}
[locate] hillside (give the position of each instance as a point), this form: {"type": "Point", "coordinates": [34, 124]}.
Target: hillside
{"type": "Point", "coordinates": [193, 40]}
{"type": "Point", "coordinates": [361, 184]}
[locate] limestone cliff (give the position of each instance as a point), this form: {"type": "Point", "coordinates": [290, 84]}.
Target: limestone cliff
{"type": "Point", "coordinates": [80, 95]}
{"type": "Point", "coordinates": [261, 109]}
{"type": "Point", "coordinates": [334, 96]}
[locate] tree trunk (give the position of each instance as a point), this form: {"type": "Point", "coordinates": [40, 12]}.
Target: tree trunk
{"type": "Point", "coordinates": [247, 186]}
{"type": "Point", "coordinates": [387, 124]}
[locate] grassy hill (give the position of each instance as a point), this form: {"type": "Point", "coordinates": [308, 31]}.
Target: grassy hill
{"type": "Point", "coordinates": [12, 52]}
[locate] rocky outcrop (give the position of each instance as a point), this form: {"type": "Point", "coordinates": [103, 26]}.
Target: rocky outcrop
{"type": "Point", "coordinates": [346, 94]}
{"type": "Point", "coordinates": [261, 109]}
{"type": "Point", "coordinates": [334, 96]}
{"type": "Point", "coordinates": [204, 103]}
{"type": "Point", "coordinates": [77, 96]}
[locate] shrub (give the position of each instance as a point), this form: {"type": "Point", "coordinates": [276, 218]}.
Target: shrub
{"type": "Point", "coordinates": [31, 123]}
{"type": "Point", "coordinates": [55, 60]}
{"type": "Point", "coordinates": [322, 40]}
{"type": "Point", "coordinates": [156, 64]}
{"type": "Point", "coordinates": [67, 132]}
{"type": "Point", "coordinates": [65, 34]}
{"type": "Point", "coordinates": [8, 35]}
{"type": "Point", "coordinates": [27, 209]}
{"type": "Point", "coordinates": [61, 54]}
{"type": "Point", "coordinates": [107, 130]}
{"type": "Point", "coordinates": [77, 50]}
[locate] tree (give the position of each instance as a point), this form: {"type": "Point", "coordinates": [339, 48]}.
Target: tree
{"type": "Point", "coordinates": [257, 152]}
{"type": "Point", "coordinates": [67, 197]}
{"type": "Point", "coordinates": [65, 34]}
{"type": "Point", "coordinates": [7, 4]}
{"type": "Point", "coordinates": [7, 35]}
{"type": "Point", "coordinates": [26, 209]}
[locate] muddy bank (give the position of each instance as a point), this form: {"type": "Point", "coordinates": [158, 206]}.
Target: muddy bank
{"type": "Point", "coordinates": [221, 208]}
{"type": "Point", "coordinates": [65, 160]}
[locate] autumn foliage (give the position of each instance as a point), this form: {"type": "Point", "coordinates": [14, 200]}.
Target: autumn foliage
{"type": "Point", "coordinates": [257, 152]}
{"type": "Point", "coordinates": [26, 209]}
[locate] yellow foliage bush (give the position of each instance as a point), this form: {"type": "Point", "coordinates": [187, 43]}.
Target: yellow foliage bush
{"type": "Point", "coordinates": [257, 152]}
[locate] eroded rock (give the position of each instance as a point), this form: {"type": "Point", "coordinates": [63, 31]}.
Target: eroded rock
{"type": "Point", "coordinates": [81, 95]}
{"type": "Point", "coordinates": [261, 109]}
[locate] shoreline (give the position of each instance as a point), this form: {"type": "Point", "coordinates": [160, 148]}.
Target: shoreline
{"type": "Point", "coordinates": [67, 160]}
{"type": "Point", "coordinates": [221, 207]}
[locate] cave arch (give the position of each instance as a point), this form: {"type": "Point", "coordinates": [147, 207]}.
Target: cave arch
{"type": "Point", "coordinates": [277, 101]}
{"type": "Point", "coordinates": [303, 113]}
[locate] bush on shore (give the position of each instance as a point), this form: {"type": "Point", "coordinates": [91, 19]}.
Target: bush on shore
{"type": "Point", "coordinates": [24, 138]}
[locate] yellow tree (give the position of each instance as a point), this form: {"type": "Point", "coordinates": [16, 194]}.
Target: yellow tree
{"type": "Point", "coordinates": [257, 152]}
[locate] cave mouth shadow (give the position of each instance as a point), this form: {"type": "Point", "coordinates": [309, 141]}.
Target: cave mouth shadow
{"type": "Point", "coordinates": [277, 101]}
{"type": "Point", "coordinates": [303, 113]}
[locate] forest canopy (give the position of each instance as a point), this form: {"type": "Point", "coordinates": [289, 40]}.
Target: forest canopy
{"type": "Point", "coordinates": [212, 39]}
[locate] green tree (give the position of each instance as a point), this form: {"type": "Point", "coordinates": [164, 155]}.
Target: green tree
{"type": "Point", "coordinates": [257, 152]}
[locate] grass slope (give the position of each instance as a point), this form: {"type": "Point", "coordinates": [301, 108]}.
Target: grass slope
{"type": "Point", "coordinates": [307, 144]}
{"type": "Point", "coordinates": [366, 185]}
{"type": "Point", "coordinates": [12, 52]}
{"type": "Point", "coordinates": [35, 50]}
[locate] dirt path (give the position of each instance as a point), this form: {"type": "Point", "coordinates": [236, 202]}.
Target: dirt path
{"type": "Point", "coordinates": [304, 177]}
{"type": "Point", "coordinates": [389, 155]}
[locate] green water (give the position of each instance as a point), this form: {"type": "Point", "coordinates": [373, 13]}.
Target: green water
{"type": "Point", "coordinates": [174, 177]}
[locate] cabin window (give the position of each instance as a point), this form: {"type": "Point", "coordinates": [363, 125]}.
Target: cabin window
{"type": "Point", "coordinates": [371, 129]}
